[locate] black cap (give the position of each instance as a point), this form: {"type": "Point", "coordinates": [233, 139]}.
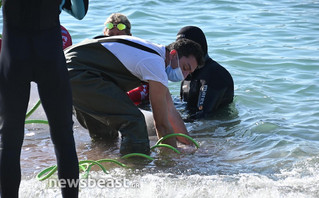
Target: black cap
{"type": "Point", "coordinates": [195, 34]}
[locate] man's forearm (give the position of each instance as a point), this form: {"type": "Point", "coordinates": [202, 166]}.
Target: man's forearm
{"type": "Point", "coordinates": [158, 101]}
{"type": "Point", "coordinates": [176, 121]}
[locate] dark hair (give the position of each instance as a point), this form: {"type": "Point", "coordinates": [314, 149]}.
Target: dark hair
{"type": "Point", "coordinates": [186, 47]}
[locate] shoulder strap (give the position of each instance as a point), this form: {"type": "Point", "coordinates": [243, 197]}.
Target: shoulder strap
{"type": "Point", "coordinates": [132, 44]}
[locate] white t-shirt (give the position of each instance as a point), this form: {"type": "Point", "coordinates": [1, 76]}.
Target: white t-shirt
{"type": "Point", "coordinates": [142, 64]}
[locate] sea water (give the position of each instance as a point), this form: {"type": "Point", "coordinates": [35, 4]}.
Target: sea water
{"type": "Point", "coordinates": [265, 144]}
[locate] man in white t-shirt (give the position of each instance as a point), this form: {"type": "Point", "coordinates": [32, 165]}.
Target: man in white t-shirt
{"type": "Point", "coordinates": [103, 70]}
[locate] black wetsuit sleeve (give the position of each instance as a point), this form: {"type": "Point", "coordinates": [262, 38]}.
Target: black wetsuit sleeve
{"type": "Point", "coordinates": [76, 8]}
{"type": "Point", "coordinates": [207, 89]}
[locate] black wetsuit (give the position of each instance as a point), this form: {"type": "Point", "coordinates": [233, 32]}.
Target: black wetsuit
{"type": "Point", "coordinates": [32, 51]}
{"type": "Point", "coordinates": [207, 89]}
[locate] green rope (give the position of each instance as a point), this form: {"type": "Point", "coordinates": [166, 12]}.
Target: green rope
{"type": "Point", "coordinates": [98, 162]}
{"type": "Point", "coordinates": [167, 146]}
{"type": "Point", "coordinates": [86, 165]}
{"type": "Point", "coordinates": [36, 122]}
{"type": "Point", "coordinates": [177, 134]}
{"type": "Point", "coordinates": [82, 167]}
{"type": "Point", "coordinates": [33, 109]}
{"type": "Point", "coordinates": [31, 112]}
{"type": "Point", "coordinates": [48, 171]}
{"type": "Point", "coordinates": [137, 155]}
{"type": "Point", "coordinates": [111, 160]}
{"type": "Point", "coordinates": [90, 164]}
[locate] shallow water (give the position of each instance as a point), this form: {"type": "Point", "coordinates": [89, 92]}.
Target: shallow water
{"type": "Point", "coordinates": [265, 144]}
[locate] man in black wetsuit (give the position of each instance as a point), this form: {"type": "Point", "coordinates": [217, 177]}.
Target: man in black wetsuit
{"type": "Point", "coordinates": [209, 87]}
{"type": "Point", "coordinates": [32, 51]}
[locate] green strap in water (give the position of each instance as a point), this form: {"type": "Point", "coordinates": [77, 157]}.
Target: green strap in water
{"type": "Point", "coordinates": [86, 165]}
{"type": "Point", "coordinates": [177, 134]}
{"type": "Point", "coordinates": [166, 146]}
{"type": "Point", "coordinates": [48, 171]}
{"type": "Point", "coordinates": [32, 111]}
{"type": "Point", "coordinates": [36, 122]}
{"type": "Point", "coordinates": [137, 155]}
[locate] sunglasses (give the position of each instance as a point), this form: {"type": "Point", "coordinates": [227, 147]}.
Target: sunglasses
{"type": "Point", "coordinates": [119, 26]}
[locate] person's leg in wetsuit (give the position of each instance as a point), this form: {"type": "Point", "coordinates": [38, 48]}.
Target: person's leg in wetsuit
{"type": "Point", "coordinates": [14, 95]}
{"type": "Point", "coordinates": [55, 93]}
{"type": "Point", "coordinates": [35, 56]}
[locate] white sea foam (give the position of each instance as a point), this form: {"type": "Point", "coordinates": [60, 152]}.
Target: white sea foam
{"type": "Point", "coordinates": [288, 184]}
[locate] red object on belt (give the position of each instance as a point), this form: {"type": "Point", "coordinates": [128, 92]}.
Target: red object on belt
{"type": "Point", "coordinates": [139, 94]}
{"type": "Point", "coordinates": [66, 37]}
